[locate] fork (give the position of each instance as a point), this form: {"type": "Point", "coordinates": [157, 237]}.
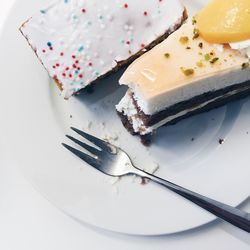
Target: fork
{"type": "Point", "coordinates": [113, 161]}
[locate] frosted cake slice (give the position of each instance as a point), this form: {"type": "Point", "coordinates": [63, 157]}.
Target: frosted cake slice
{"type": "Point", "coordinates": [79, 41]}
{"type": "Point", "coordinates": [186, 74]}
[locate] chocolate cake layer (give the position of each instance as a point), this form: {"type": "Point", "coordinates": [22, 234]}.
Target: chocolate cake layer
{"type": "Point", "coordinates": [150, 120]}
{"type": "Point", "coordinates": [223, 97]}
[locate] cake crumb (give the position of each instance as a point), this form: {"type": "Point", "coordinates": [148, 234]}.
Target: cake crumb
{"type": "Point", "coordinates": [144, 180]}
{"type": "Point", "coordinates": [102, 125]}
{"type": "Point", "coordinates": [111, 138]}
{"type": "Point", "coordinates": [89, 125]}
{"type": "Point", "coordinates": [221, 141]}
{"type": "Point", "coordinates": [151, 169]}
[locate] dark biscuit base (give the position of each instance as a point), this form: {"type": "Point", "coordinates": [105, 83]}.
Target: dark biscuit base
{"type": "Point", "coordinates": [120, 64]}
{"type": "Point", "coordinates": [150, 120]}
{"type": "Point", "coordinates": [145, 139]}
{"type": "Point", "coordinates": [192, 103]}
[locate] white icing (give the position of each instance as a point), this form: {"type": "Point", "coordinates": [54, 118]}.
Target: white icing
{"type": "Point", "coordinates": [240, 45]}
{"type": "Point", "coordinates": [140, 128]}
{"type": "Point", "coordinates": [219, 47]}
{"type": "Point", "coordinates": [127, 107]}
{"type": "Point", "coordinates": [89, 37]}
{"type": "Point", "coordinates": [243, 47]}
{"type": "Point", "coordinates": [202, 85]}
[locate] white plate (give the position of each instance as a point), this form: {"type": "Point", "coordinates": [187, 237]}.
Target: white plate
{"type": "Point", "coordinates": [34, 119]}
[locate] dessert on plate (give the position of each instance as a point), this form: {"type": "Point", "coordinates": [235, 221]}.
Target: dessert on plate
{"type": "Point", "coordinates": [79, 41]}
{"type": "Point", "coordinates": [202, 65]}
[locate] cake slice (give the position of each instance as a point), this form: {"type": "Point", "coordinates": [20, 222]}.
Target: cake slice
{"type": "Point", "coordinates": [79, 41]}
{"type": "Point", "coordinates": [183, 76]}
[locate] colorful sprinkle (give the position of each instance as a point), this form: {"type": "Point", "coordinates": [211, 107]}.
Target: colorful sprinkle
{"type": "Point", "coordinates": [81, 49]}
{"type": "Point", "coordinates": [79, 55]}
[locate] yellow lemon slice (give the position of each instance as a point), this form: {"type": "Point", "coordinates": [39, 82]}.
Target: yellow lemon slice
{"type": "Point", "coordinates": [225, 21]}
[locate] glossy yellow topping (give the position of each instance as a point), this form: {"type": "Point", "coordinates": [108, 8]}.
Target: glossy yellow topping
{"type": "Point", "coordinates": [175, 64]}
{"type": "Point", "coordinates": [225, 21]}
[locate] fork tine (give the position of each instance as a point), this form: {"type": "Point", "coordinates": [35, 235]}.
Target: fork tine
{"type": "Point", "coordinates": [87, 158]}
{"type": "Point", "coordinates": [98, 142]}
{"type": "Point", "coordinates": [89, 148]}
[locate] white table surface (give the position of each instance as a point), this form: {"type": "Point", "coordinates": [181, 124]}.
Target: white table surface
{"type": "Point", "coordinates": [28, 221]}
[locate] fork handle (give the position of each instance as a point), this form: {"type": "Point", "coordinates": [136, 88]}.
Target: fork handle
{"type": "Point", "coordinates": [228, 213]}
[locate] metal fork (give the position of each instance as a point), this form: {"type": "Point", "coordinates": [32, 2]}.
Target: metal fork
{"type": "Point", "coordinates": [113, 161]}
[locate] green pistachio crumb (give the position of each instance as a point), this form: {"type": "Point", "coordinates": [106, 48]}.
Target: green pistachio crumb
{"type": "Point", "coordinates": [167, 55]}
{"type": "Point", "coordinates": [196, 34]}
{"type": "Point", "coordinates": [245, 65]}
{"type": "Point", "coordinates": [207, 57]}
{"type": "Point", "coordinates": [187, 72]}
{"type": "Point", "coordinates": [199, 64]}
{"type": "Point", "coordinates": [183, 39]}
{"type": "Point", "coordinates": [194, 21]}
{"type": "Point", "coordinates": [214, 60]}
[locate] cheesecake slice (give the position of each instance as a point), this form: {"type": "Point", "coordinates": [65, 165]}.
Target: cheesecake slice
{"type": "Point", "coordinates": [80, 41]}
{"type": "Point", "coordinates": [182, 76]}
